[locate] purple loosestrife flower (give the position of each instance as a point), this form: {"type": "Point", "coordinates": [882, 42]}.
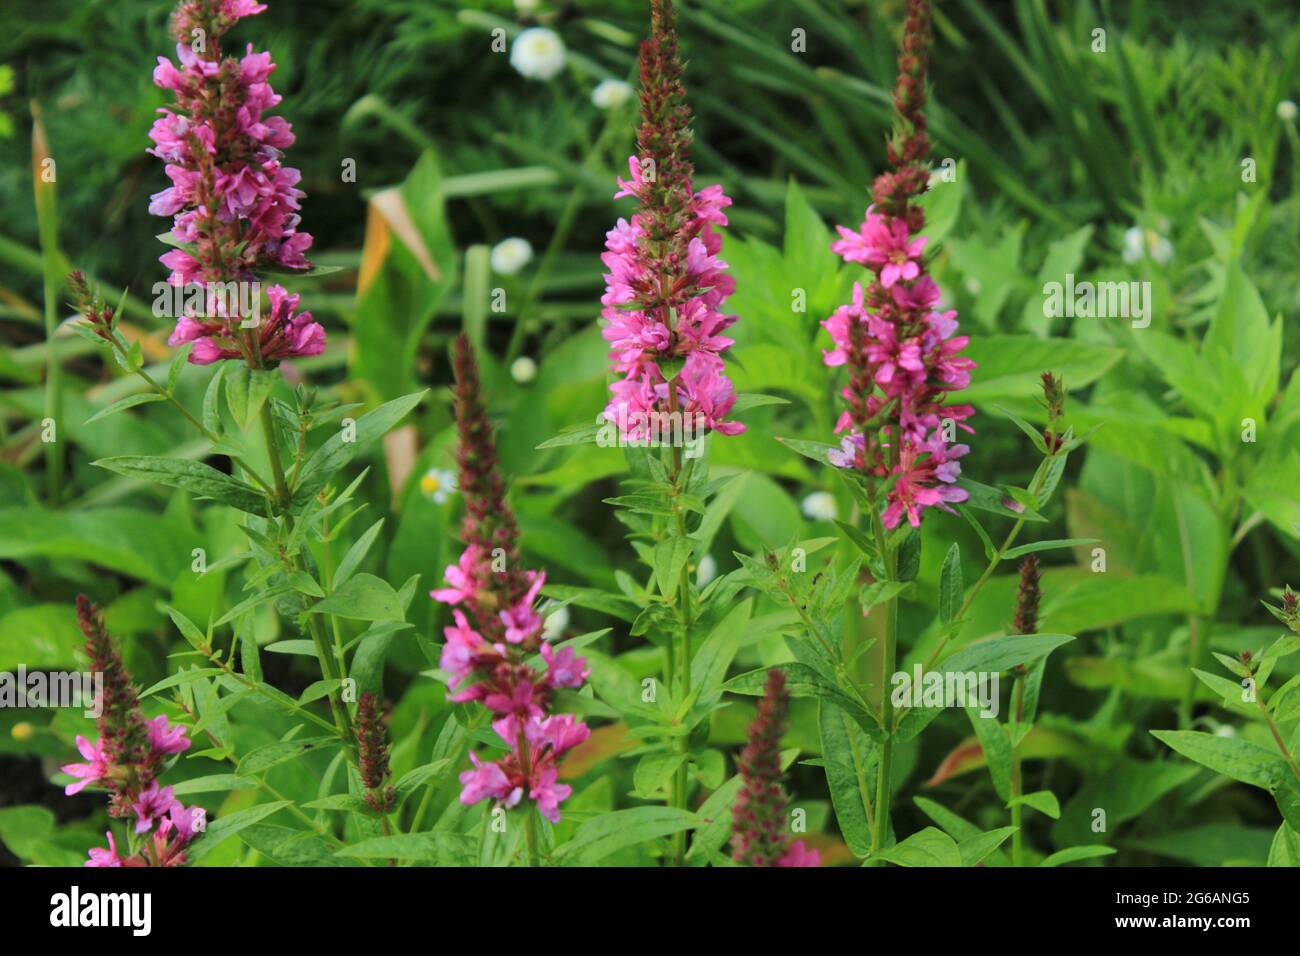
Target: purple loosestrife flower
{"type": "Point", "coordinates": [758, 817]}
{"type": "Point", "coordinates": [128, 757]}
{"type": "Point", "coordinates": [496, 628]}
{"type": "Point", "coordinates": [665, 285]}
{"type": "Point", "coordinates": [899, 343]}
{"type": "Point", "coordinates": [234, 203]}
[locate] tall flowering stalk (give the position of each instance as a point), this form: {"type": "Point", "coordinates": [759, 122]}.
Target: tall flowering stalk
{"type": "Point", "coordinates": [900, 346]}
{"type": "Point", "coordinates": [758, 836]}
{"type": "Point", "coordinates": [497, 631]}
{"type": "Point", "coordinates": [235, 216]}
{"type": "Point", "coordinates": [128, 759]}
{"type": "Point", "coordinates": [233, 201]}
{"type": "Point", "coordinates": [664, 292]}
{"type": "Point", "coordinates": [666, 285]}
{"type": "Point", "coordinates": [1028, 595]}
{"type": "Point", "coordinates": [903, 358]}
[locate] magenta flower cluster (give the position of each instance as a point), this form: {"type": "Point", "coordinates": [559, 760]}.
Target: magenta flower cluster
{"type": "Point", "coordinates": [489, 652]}
{"type": "Point", "coordinates": [517, 694]}
{"type": "Point", "coordinates": [127, 759]}
{"type": "Point", "coordinates": [649, 324]}
{"type": "Point", "coordinates": [898, 341]}
{"type": "Point", "coordinates": [905, 359]}
{"type": "Point", "coordinates": [234, 202]}
{"type": "Point", "coordinates": [150, 803]}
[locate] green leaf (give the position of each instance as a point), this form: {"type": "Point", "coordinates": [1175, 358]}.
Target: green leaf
{"type": "Point", "coordinates": [974, 849]}
{"type": "Point", "coordinates": [909, 555]}
{"type": "Point", "coordinates": [671, 555]}
{"type": "Point", "coordinates": [362, 598]}
{"type": "Point", "coordinates": [212, 401]}
{"type": "Point", "coordinates": [878, 592]}
{"type": "Point", "coordinates": [227, 826]}
{"type": "Point", "coordinates": [815, 450]}
{"type": "Point", "coordinates": [615, 605]}
{"type": "Point", "coordinates": [1003, 653]}
{"type": "Point", "coordinates": [848, 756]}
{"type": "Point", "coordinates": [597, 839]}
{"type": "Point", "coordinates": [748, 400]}
{"type": "Point", "coordinates": [996, 501]}
{"type": "Point", "coordinates": [575, 435]}
{"type": "Point", "coordinates": [249, 660]}
{"type": "Point", "coordinates": [247, 390]}
{"type": "Point", "coordinates": [1285, 850]}
{"type": "Point", "coordinates": [1231, 756]}
{"type": "Point", "coordinates": [951, 589]}
{"type": "Point", "coordinates": [337, 452]}
{"type": "Point", "coordinates": [857, 536]}
{"type": "Point", "coordinates": [131, 401]}
{"type": "Point", "coordinates": [413, 779]}
{"type": "Point", "coordinates": [1074, 854]}
{"type": "Point", "coordinates": [928, 847]}
{"type": "Point", "coordinates": [193, 476]}
{"type": "Point", "coordinates": [1044, 801]}
{"type": "Point", "coordinates": [435, 845]}
{"type": "Point", "coordinates": [801, 680]}
{"type": "Point", "coordinates": [1045, 546]}
{"type": "Point", "coordinates": [180, 677]}
{"type": "Point", "coordinates": [357, 553]}
{"type": "Point", "coordinates": [213, 783]}
{"type": "Point", "coordinates": [654, 771]}
{"type": "Point", "coordinates": [1034, 434]}
{"type": "Point", "coordinates": [997, 750]}
{"type": "Point", "coordinates": [1010, 366]}
{"type": "Point", "coordinates": [282, 751]}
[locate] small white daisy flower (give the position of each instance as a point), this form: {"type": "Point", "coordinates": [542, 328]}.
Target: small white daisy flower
{"type": "Point", "coordinates": [1286, 110]}
{"type": "Point", "coordinates": [610, 94]}
{"type": "Point", "coordinates": [510, 255]}
{"type": "Point", "coordinates": [820, 506]}
{"type": "Point", "coordinates": [523, 370]}
{"type": "Point", "coordinates": [1142, 243]}
{"type": "Point", "coordinates": [537, 53]}
{"type": "Point", "coordinates": [706, 571]}
{"type": "Point", "coordinates": [437, 484]}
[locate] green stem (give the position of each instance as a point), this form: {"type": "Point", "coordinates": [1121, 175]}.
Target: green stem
{"type": "Point", "coordinates": [994, 561]}
{"type": "Point", "coordinates": [1277, 738]}
{"type": "Point", "coordinates": [530, 821]}
{"type": "Point", "coordinates": [680, 781]}
{"type": "Point", "coordinates": [1017, 786]}
{"type": "Point", "coordinates": [888, 663]}
{"type": "Point", "coordinates": [342, 719]}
